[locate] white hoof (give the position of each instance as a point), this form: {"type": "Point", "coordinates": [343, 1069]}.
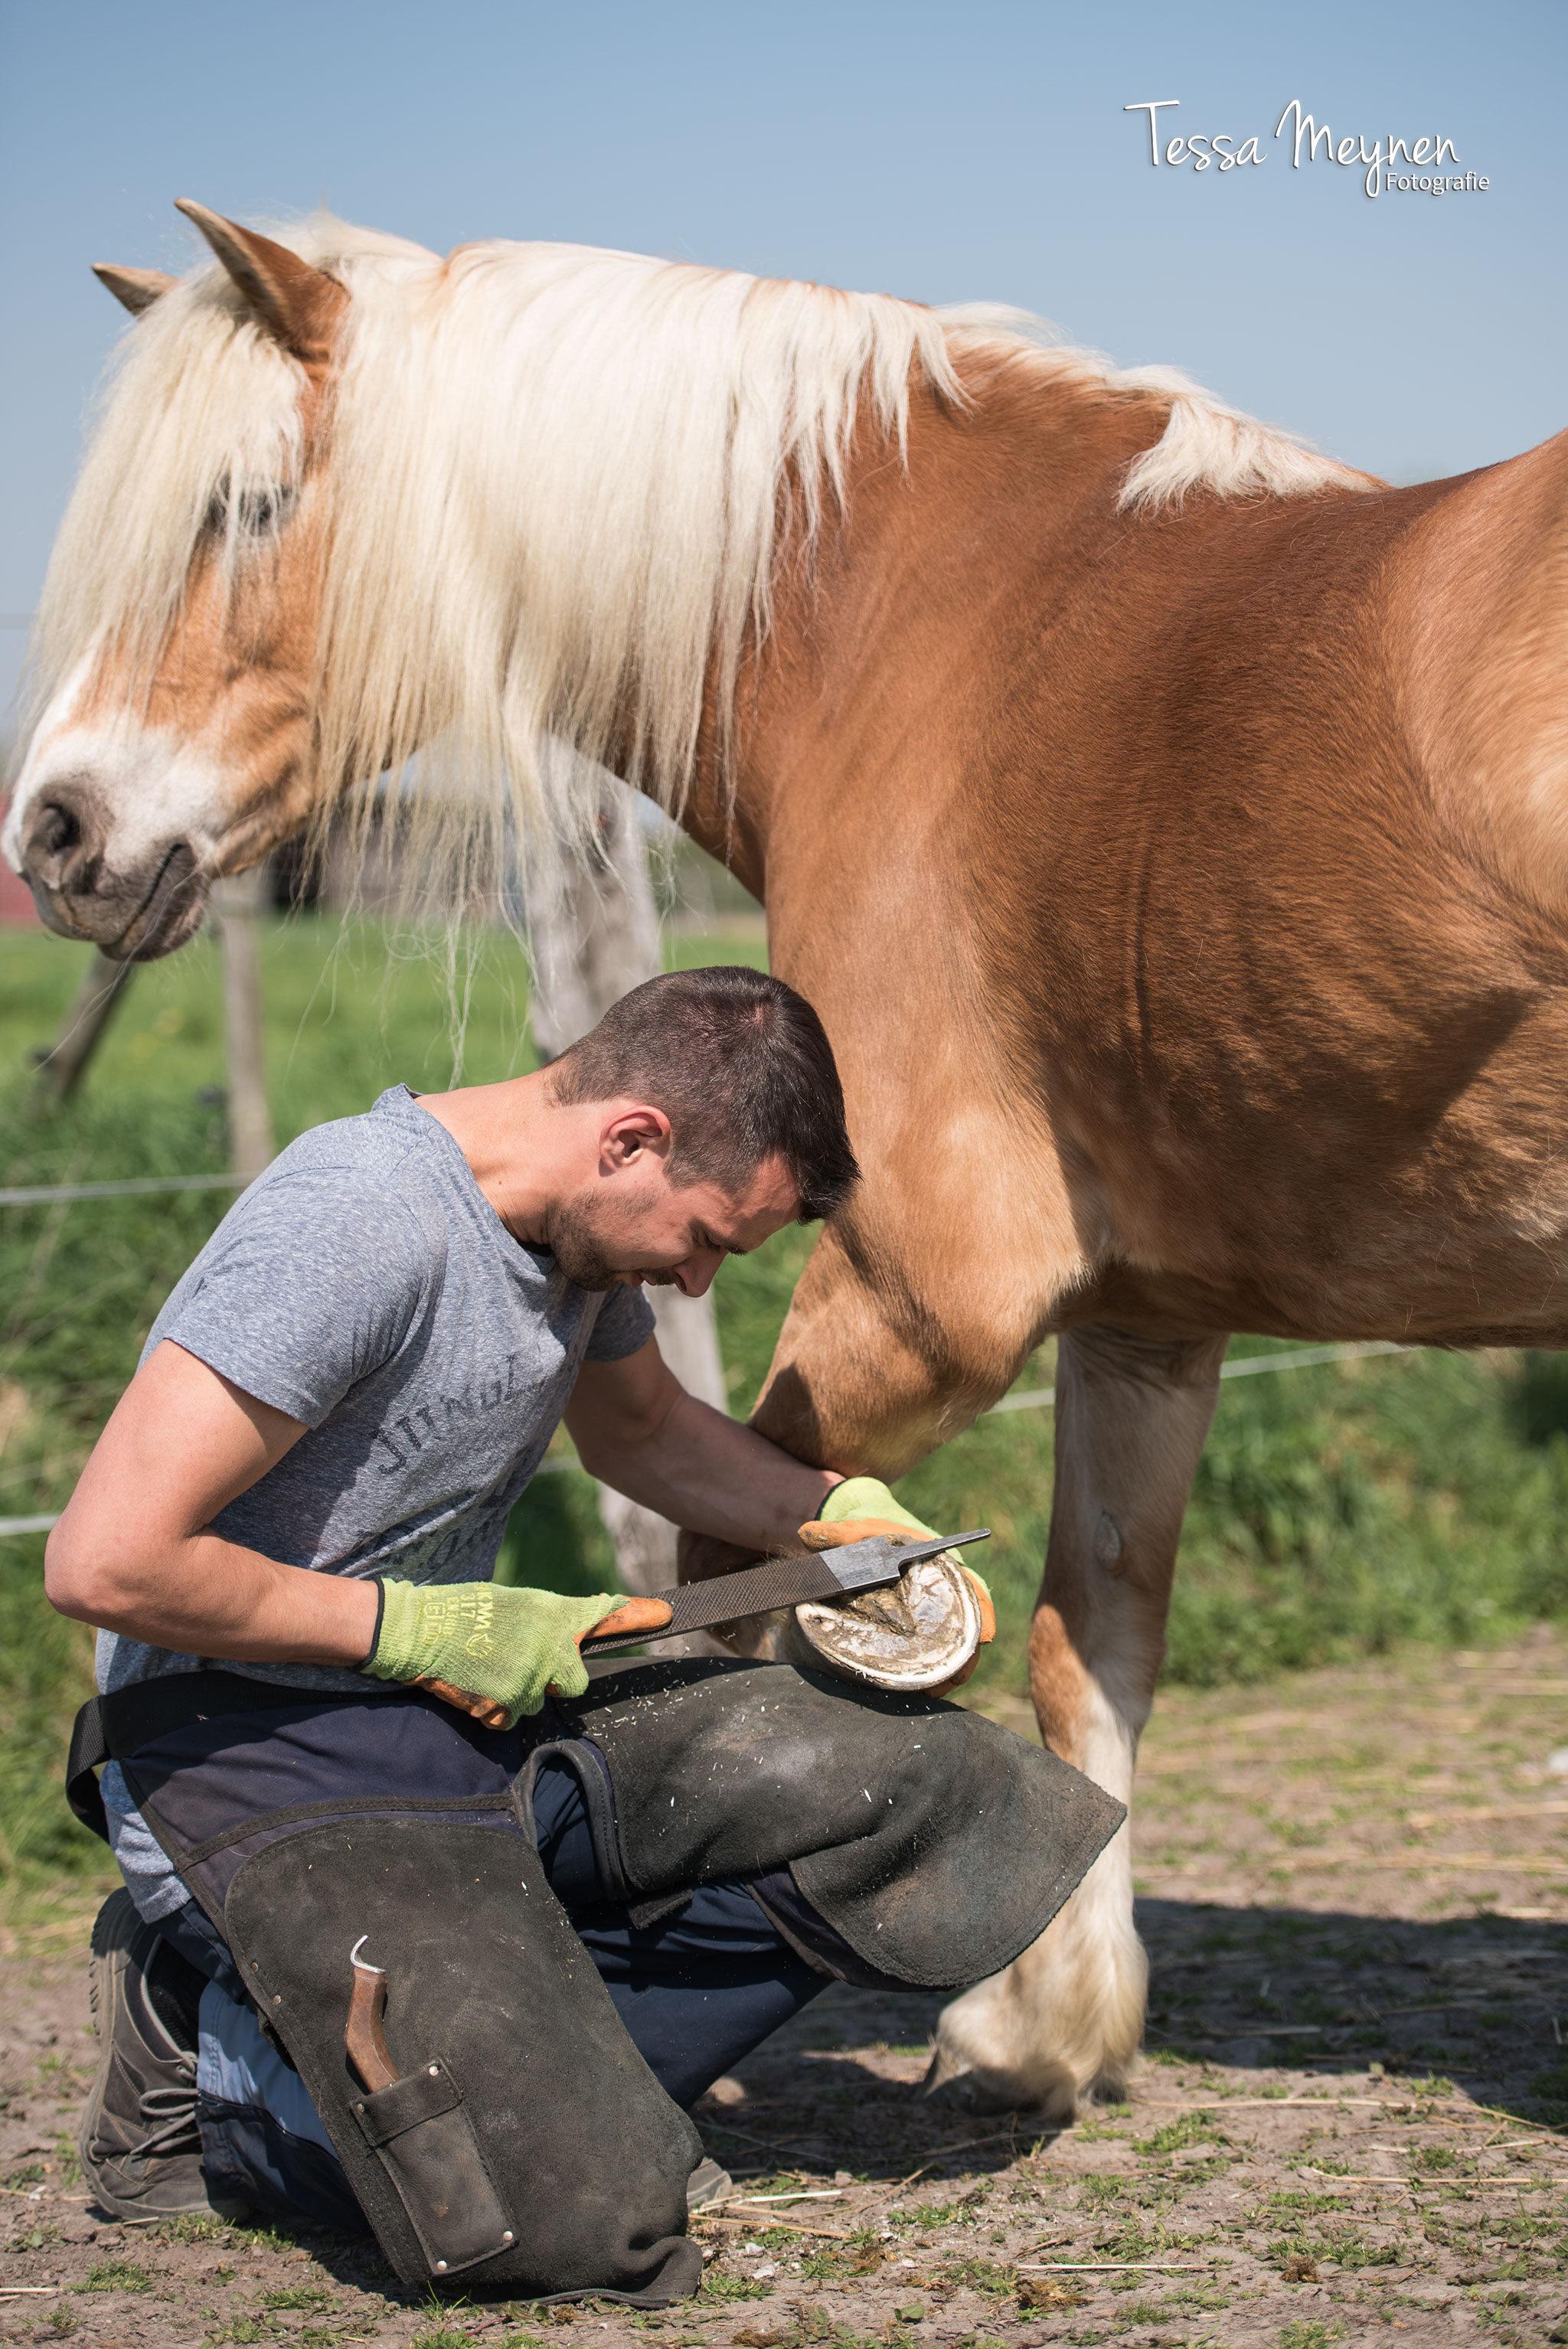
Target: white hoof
{"type": "Point", "coordinates": [1063, 2021]}
{"type": "Point", "coordinates": [1036, 2086]}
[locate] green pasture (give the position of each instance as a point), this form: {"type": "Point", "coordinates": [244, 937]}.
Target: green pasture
{"type": "Point", "coordinates": [1338, 1510]}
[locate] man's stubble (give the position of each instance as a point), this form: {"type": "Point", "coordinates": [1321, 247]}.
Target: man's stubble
{"type": "Point", "coordinates": [581, 1247]}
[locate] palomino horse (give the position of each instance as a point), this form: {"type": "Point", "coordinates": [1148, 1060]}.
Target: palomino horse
{"type": "Point", "coordinates": [1171, 827]}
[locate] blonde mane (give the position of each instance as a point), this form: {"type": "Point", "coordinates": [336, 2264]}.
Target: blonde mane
{"type": "Point", "coordinates": [559, 483]}
{"type": "Point", "coordinates": [1203, 444]}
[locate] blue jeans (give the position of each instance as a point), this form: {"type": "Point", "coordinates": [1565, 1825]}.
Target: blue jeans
{"type": "Point", "coordinates": [696, 1990]}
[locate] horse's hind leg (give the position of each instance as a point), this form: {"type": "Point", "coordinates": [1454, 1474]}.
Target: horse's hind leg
{"type": "Point", "coordinates": [1131, 1416]}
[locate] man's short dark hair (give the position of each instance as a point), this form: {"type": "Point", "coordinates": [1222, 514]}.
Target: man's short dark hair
{"type": "Point", "coordinates": [742, 1067]}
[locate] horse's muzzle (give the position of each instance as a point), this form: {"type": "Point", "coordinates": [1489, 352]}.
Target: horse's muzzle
{"type": "Point", "coordinates": [132, 914]}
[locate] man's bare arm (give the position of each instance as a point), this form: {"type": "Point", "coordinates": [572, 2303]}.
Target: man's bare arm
{"type": "Point", "coordinates": [133, 1551]}
{"type": "Point", "coordinates": [636, 1428]}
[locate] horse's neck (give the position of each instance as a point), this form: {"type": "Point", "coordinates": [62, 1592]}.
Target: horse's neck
{"type": "Point", "coordinates": [1457, 596]}
{"type": "Point", "coordinates": [905, 595]}
{"type": "Point", "coordinates": [1479, 615]}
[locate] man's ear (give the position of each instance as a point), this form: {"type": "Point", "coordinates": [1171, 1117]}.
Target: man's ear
{"type": "Point", "coordinates": [638, 1131]}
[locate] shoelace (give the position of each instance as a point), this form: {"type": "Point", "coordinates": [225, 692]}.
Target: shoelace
{"type": "Point", "coordinates": [176, 2109]}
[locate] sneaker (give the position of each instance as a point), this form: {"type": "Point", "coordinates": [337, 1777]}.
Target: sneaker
{"type": "Point", "coordinates": [139, 2147]}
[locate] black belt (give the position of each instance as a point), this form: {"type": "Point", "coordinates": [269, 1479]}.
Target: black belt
{"type": "Point", "coordinates": [112, 1728]}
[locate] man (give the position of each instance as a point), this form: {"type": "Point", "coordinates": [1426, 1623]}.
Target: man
{"type": "Point", "coordinates": [307, 1481]}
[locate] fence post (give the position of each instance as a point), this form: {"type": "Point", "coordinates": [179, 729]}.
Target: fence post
{"type": "Point", "coordinates": [61, 1068]}
{"type": "Point", "coordinates": [238, 900]}
{"type": "Point", "coordinates": [595, 933]}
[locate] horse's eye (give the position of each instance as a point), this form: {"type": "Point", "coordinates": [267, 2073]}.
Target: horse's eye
{"type": "Point", "coordinates": [253, 514]}
{"type": "Point", "coordinates": [259, 509]}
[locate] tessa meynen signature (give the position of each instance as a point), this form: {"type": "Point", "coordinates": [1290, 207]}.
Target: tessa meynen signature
{"type": "Point", "coordinates": [1411, 166]}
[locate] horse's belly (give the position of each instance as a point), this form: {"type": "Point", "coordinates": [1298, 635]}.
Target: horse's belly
{"type": "Point", "coordinates": [1430, 1305]}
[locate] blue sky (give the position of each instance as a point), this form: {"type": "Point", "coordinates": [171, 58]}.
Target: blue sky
{"type": "Point", "coordinates": [945, 152]}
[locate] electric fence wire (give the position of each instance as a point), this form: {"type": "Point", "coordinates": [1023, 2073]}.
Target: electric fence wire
{"type": "Point", "coordinates": [33, 1195]}
{"type": "Point", "coordinates": [1247, 1366]}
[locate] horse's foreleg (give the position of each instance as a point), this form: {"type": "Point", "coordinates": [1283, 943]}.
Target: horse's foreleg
{"type": "Point", "coordinates": [860, 1386]}
{"type": "Point", "coordinates": [1131, 1416]}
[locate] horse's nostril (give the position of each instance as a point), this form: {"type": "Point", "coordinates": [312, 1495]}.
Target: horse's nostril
{"type": "Point", "coordinates": [63, 847]}
{"type": "Point", "coordinates": [60, 831]}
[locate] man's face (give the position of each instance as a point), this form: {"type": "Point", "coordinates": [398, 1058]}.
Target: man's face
{"type": "Point", "coordinates": [632, 1224]}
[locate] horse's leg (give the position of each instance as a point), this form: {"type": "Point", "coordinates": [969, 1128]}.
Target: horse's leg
{"type": "Point", "coordinates": [1131, 1416]}
{"type": "Point", "coordinates": [863, 1383]}
{"type": "Point", "coordinates": [848, 1388]}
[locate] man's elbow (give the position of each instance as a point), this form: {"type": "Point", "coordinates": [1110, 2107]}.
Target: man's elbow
{"type": "Point", "coordinates": [598, 1451]}
{"type": "Point", "coordinates": [79, 1578]}
{"type": "Point", "coordinates": [606, 1440]}
{"type": "Point", "coordinates": [614, 1423]}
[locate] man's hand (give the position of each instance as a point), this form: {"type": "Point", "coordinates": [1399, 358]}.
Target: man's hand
{"type": "Point", "coordinates": [862, 1506]}
{"type": "Point", "coordinates": [858, 1506]}
{"type": "Point", "coordinates": [496, 1652]}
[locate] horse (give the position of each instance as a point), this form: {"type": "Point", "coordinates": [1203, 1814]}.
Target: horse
{"type": "Point", "coordinates": [1170, 823]}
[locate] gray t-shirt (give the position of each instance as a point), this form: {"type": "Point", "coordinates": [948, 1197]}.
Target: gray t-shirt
{"type": "Point", "coordinates": [366, 1286]}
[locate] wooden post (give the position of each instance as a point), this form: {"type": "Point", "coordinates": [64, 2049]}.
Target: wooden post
{"type": "Point", "coordinates": [594, 934]}
{"type": "Point", "coordinates": [238, 901]}
{"type": "Point", "coordinates": [61, 1068]}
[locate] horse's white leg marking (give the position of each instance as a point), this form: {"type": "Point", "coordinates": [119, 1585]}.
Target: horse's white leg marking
{"type": "Point", "coordinates": [1131, 1416]}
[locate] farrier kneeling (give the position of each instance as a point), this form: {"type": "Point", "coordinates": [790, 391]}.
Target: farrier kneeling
{"type": "Point", "coordinates": [380, 1961]}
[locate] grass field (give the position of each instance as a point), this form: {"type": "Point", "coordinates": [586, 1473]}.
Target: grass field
{"type": "Point", "coordinates": [1338, 1510]}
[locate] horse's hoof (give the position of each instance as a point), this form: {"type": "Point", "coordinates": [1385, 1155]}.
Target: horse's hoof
{"type": "Point", "coordinates": [924, 1633]}
{"type": "Point", "coordinates": [1045, 2090]}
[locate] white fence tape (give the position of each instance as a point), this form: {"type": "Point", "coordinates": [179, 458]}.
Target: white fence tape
{"type": "Point", "coordinates": [1039, 1399]}
{"type": "Point", "coordinates": [1309, 1357]}
{"type": "Point", "coordinates": [32, 1194]}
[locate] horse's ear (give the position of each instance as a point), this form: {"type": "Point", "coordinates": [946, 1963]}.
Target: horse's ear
{"type": "Point", "coordinates": [138, 289]}
{"type": "Point", "coordinates": [298, 303]}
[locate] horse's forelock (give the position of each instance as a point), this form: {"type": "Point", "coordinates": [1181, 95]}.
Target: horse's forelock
{"type": "Point", "coordinates": [199, 412]}
{"type": "Point", "coordinates": [196, 421]}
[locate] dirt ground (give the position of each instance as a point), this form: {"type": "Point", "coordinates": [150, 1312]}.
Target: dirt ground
{"type": "Point", "coordinates": [1352, 2119]}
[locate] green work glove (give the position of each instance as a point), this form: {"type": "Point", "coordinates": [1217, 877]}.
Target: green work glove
{"type": "Point", "coordinates": [865, 1504]}
{"type": "Point", "coordinates": [493, 1651]}
{"type": "Point", "coordinates": [865, 1497]}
